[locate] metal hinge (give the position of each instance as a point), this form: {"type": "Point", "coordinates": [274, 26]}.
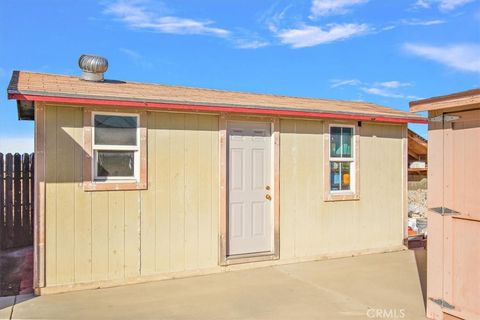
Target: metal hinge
{"type": "Point", "coordinates": [442, 303]}
{"type": "Point", "coordinates": [444, 211]}
{"type": "Point", "coordinates": [444, 118]}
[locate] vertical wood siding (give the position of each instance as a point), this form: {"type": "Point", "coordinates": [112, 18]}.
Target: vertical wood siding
{"type": "Point", "coordinates": [112, 235]}
{"type": "Point", "coordinates": [173, 225]}
{"type": "Point", "coordinates": [311, 227]}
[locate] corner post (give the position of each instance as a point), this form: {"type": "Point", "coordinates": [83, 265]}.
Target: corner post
{"type": "Point", "coordinates": [39, 198]}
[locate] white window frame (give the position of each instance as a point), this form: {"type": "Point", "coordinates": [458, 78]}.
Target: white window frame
{"type": "Point", "coordinates": [103, 147]}
{"type": "Point", "coordinates": [351, 160]}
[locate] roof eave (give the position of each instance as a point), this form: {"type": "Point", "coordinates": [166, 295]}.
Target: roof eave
{"type": "Point", "coordinates": [26, 110]}
{"type": "Point", "coordinates": [459, 99]}
{"type": "Point", "coordinates": [15, 94]}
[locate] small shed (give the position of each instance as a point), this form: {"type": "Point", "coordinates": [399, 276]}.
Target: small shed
{"type": "Point", "coordinates": [454, 205]}
{"type": "Point", "coordinates": [137, 182]}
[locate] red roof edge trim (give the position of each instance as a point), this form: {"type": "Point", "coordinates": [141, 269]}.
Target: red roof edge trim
{"type": "Point", "coordinates": [193, 107]}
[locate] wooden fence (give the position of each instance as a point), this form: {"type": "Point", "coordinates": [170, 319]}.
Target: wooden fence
{"type": "Point", "coordinates": [16, 200]}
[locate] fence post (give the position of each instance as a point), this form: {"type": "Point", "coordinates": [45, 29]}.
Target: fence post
{"type": "Point", "coordinates": [17, 200]}
{"type": "Point", "coordinates": [9, 200]}
{"type": "Point", "coordinates": [32, 195]}
{"type": "Point", "coordinates": [25, 199]}
{"type": "Point", "coordinates": [2, 205]}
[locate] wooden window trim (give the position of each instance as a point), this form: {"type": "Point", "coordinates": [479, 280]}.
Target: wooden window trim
{"type": "Point", "coordinates": [341, 196]}
{"type": "Point", "coordinates": [88, 180]}
{"type": "Point", "coordinates": [224, 259]}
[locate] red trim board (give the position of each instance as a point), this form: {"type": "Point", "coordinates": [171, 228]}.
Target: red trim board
{"type": "Point", "coordinates": [193, 107]}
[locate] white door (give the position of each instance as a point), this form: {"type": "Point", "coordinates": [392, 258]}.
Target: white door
{"type": "Point", "coordinates": [250, 217]}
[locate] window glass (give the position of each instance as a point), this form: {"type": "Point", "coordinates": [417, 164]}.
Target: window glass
{"type": "Point", "coordinates": [341, 142]}
{"type": "Point", "coordinates": [115, 163]}
{"type": "Point", "coordinates": [335, 176]}
{"type": "Point", "coordinates": [347, 142]}
{"type": "Point", "coordinates": [335, 142]}
{"type": "Point", "coordinates": [345, 175]}
{"type": "Point", "coordinates": [340, 176]}
{"type": "Point", "coordinates": [115, 130]}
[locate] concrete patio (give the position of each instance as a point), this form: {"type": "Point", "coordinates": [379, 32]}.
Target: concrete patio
{"type": "Point", "coordinates": [378, 286]}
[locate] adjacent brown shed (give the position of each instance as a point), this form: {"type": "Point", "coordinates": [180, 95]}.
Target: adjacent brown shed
{"type": "Point", "coordinates": [417, 156]}
{"type": "Point", "coordinates": [454, 204]}
{"type": "Point", "coordinates": [136, 181]}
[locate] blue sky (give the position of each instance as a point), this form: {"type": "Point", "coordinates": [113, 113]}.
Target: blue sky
{"type": "Point", "coordinates": [387, 52]}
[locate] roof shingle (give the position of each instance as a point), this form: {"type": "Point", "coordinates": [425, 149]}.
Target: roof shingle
{"type": "Point", "coordinates": [52, 85]}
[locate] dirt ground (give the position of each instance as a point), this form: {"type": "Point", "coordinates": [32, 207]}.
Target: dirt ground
{"type": "Point", "coordinates": [16, 271]}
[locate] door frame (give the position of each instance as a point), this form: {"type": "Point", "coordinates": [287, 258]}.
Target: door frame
{"type": "Point", "coordinates": [224, 259]}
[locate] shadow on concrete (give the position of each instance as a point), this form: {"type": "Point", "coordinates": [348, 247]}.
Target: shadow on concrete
{"type": "Point", "coordinates": [421, 260]}
{"type": "Point", "coordinates": [11, 301]}
{"type": "Point", "coordinates": [16, 277]}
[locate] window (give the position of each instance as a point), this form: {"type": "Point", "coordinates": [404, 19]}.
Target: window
{"type": "Point", "coordinates": [341, 167]}
{"type": "Point", "coordinates": [117, 155]}
{"type": "Point", "coordinates": [115, 147]}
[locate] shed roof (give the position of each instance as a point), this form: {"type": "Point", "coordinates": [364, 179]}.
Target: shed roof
{"type": "Point", "coordinates": [417, 145]}
{"type": "Point", "coordinates": [459, 99]}
{"type": "Point", "coordinates": [31, 86]}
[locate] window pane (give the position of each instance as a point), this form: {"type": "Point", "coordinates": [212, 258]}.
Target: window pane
{"type": "Point", "coordinates": [345, 176]}
{"type": "Point", "coordinates": [115, 163]}
{"type": "Point", "coordinates": [341, 142]}
{"type": "Point", "coordinates": [340, 176]}
{"type": "Point", "coordinates": [115, 130]}
{"type": "Point", "coordinates": [335, 176]}
{"type": "Point", "coordinates": [335, 142]}
{"type": "Point", "coordinates": [347, 142]}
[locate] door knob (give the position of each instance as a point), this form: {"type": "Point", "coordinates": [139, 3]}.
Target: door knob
{"type": "Point", "coordinates": [268, 197]}
{"type": "Point", "coordinates": [267, 187]}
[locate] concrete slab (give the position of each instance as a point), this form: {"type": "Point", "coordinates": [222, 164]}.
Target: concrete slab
{"type": "Point", "coordinates": [6, 304]}
{"type": "Point", "coordinates": [351, 288]}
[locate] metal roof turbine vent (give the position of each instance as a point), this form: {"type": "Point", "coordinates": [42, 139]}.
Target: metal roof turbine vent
{"type": "Point", "coordinates": [93, 67]}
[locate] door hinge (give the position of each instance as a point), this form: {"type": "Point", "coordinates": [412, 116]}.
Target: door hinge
{"type": "Point", "coordinates": [444, 211]}
{"type": "Point", "coordinates": [443, 303]}
{"type": "Point", "coordinates": [444, 118]}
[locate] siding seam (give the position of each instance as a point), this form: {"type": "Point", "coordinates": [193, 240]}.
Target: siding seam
{"type": "Point", "coordinates": [56, 192]}
{"type": "Point", "coordinates": [184, 192]}
{"type": "Point", "coordinates": [74, 276]}
{"type": "Point", "coordinates": [124, 236]}
{"type": "Point", "coordinates": [108, 235]}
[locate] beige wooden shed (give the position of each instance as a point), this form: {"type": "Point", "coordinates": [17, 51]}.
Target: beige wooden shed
{"type": "Point", "coordinates": [454, 205]}
{"type": "Point", "coordinates": [138, 182]}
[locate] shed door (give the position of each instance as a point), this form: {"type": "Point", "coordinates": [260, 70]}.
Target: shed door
{"type": "Point", "coordinates": [461, 220]}
{"type": "Point", "coordinates": [250, 226]}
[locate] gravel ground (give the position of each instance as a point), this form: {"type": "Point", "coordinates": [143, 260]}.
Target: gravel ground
{"type": "Point", "coordinates": [417, 210]}
{"type": "Point", "coordinates": [417, 203]}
